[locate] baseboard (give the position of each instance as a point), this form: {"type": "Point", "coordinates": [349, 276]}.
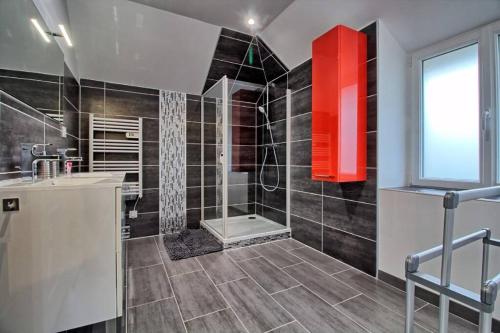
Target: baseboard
{"type": "Point", "coordinates": [432, 298]}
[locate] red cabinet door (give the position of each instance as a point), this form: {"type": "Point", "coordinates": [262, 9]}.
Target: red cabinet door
{"type": "Point", "coordinates": [339, 106]}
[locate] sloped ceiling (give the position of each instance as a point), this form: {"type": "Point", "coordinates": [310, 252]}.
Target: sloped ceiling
{"type": "Point", "coordinates": [414, 23]}
{"type": "Point", "coordinates": [129, 43]}
{"type": "Point", "coordinates": [232, 14]}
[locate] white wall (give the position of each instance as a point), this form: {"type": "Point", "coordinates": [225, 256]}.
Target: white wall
{"type": "Point", "coordinates": [413, 23]}
{"type": "Point", "coordinates": [392, 79]}
{"type": "Point", "coordinates": [412, 222]}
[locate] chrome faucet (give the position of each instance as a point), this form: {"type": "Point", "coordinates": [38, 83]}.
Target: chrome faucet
{"type": "Point", "coordinates": [40, 157]}
{"type": "Point", "coordinates": [62, 153]}
{"type": "Point", "coordinates": [36, 153]}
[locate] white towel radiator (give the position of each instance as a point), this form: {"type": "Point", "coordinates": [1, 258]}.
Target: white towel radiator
{"type": "Point", "coordinates": [124, 137]}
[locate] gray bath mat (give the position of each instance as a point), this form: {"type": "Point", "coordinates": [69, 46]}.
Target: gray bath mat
{"type": "Point", "coordinates": [191, 243]}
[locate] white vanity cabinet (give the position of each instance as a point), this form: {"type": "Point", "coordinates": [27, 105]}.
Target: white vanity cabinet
{"type": "Point", "coordinates": [61, 254]}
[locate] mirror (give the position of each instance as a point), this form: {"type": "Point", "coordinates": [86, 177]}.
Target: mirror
{"type": "Point", "coordinates": [31, 69]}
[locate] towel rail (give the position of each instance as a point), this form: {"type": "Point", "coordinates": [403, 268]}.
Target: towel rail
{"type": "Point", "coordinates": [483, 302]}
{"type": "Point", "coordinates": [129, 146]}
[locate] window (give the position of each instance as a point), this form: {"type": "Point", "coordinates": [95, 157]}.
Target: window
{"type": "Point", "coordinates": [454, 99]}
{"type": "Point", "coordinates": [450, 114]}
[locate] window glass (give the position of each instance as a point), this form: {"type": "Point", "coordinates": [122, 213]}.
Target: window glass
{"type": "Point", "coordinates": [450, 110]}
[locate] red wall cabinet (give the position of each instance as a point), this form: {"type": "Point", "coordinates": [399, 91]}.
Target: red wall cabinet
{"type": "Point", "coordinates": [339, 106]}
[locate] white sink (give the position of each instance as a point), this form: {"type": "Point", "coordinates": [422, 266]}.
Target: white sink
{"type": "Point", "coordinates": [91, 175]}
{"type": "Point", "coordinates": [76, 181]}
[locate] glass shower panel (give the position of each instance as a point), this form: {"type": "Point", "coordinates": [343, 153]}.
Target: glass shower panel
{"type": "Point", "coordinates": [213, 101]}
{"type": "Point", "coordinates": [242, 141]}
{"type": "Point", "coordinates": [233, 137]}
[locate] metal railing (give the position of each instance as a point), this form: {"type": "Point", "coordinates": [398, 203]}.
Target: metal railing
{"type": "Point", "coordinates": [483, 302]}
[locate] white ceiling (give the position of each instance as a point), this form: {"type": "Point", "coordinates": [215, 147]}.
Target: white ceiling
{"type": "Point", "coordinates": [233, 14]}
{"type": "Point", "coordinates": [414, 23]}
{"type": "Point", "coordinates": [125, 42]}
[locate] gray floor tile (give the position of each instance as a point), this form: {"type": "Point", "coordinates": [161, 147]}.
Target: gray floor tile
{"type": "Point", "coordinates": [160, 243]}
{"type": "Point", "coordinates": [381, 292]}
{"type": "Point", "coordinates": [176, 267]}
{"type": "Point", "coordinates": [320, 283]}
{"type": "Point", "coordinates": [428, 318]}
{"type": "Point", "coordinates": [223, 321]}
{"type": "Point", "coordinates": [196, 294]}
{"type": "Point", "coordinates": [142, 252]}
{"type": "Point", "coordinates": [220, 267]}
{"type": "Point", "coordinates": [289, 244]}
{"type": "Point", "coordinates": [243, 253]}
{"type": "Point", "coordinates": [147, 284]}
{"type": "Point", "coordinates": [256, 309]}
{"type": "Point", "coordinates": [268, 276]}
{"type": "Point", "coordinates": [290, 328]}
{"type": "Point", "coordinates": [320, 260]}
{"type": "Point", "coordinates": [373, 316]}
{"type": "Point", "coordinates": [157, 317]}
{"type": "Point", "coordinates": [277, 255]}
{"type": "Point", "coordinates": [313, 313]}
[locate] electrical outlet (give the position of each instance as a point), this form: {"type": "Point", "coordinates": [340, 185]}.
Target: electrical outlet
{"type": "Point", "coordinates": [10, 205]}
{"type": "Point", "coordinates": [132, 214]}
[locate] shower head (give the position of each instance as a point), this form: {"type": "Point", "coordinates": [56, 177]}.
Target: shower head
{"type": "Point", "coordinates": [261, 109]}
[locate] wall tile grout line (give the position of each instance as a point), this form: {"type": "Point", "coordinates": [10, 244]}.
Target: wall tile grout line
{"type": "Point", "coordinates": [325, 225]}
{"type": "Point", "coordinates": [301, 89]}
{"type": "Point", "coordinates": [333, 197]}
{"type": "Point", "coordinates": [235, 63]}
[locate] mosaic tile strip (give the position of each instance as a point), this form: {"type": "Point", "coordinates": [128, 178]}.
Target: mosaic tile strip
{"type": "Point", "coordinates": [172, 161]}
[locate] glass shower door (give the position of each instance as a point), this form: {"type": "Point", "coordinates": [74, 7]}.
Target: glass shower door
{"type": "Point", "coordinates": [214, 152]}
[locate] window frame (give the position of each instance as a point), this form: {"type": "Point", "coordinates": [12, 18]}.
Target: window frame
{"type": "Point", "coordinates": [495, 97]}
{"type": "Point", "coordinates": [488, 105]}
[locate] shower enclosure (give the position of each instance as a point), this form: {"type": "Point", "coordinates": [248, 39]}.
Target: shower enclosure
{"type": "Point", "coordinates": [245, 156]}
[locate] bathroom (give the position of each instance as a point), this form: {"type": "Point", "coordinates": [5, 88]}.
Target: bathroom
{"type": "Point", "coordinates": [249, 166]}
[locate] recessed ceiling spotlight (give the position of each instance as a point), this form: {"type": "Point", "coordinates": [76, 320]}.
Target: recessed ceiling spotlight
{"type": "Point", "coordinates": [251, 21]}
{"type": "Point", "coordinates": [40, 30]}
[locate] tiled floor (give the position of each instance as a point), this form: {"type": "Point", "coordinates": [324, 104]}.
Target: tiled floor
{"type": "Point", "coordinates": [283, 286]}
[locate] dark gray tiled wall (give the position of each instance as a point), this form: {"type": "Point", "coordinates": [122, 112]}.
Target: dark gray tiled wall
{"type": "Point", "coordinates": [193, 158]}
{"type": "Point", "coordinates": [272, 205]}
{"type": "Point", "coordinates": [338, 219]}
{"type": "Point", "coordinates": [19, 124]}
{"type": "Point", "coordinates": [231, 58]}
{"type": "Point", "coordinates": [124, 101]}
